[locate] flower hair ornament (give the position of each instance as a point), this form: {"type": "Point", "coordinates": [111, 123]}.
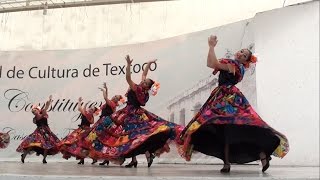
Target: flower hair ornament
{"type": "Point", "coordinates": [154, 88]}
{"type": "Point", "coordinates": [121, 101]}
{"type": "Point", "coordinates": [253, 60]}
{"type": "Point", "coordinates": [97, 109]}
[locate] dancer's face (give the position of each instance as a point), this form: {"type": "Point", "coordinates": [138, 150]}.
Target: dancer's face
{"type": "Point", "coordinates": [243, 55]}
{"type": "Point", "coordinates": [116, 98]}
{"type": "Point", "coordinates": [146, 83]}
{"type": "Point", "coordinates": [91, 110]}
{"type": "Point", "coordinates": [35, 111]}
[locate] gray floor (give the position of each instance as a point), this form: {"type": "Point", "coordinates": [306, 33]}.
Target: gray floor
{"type": "Point", "coordinates": [70, 170]}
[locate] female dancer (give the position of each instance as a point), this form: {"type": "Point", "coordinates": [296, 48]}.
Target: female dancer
{"type": "Point", "coordinates": [133, 130]}
{"type": "Point", "coordinates": [42, 140]}
{"type": "Point", "coordinates": [226, 126]}
{"type": "Point", "coordinates": [97, 130]}
{"type": "Point", "coordinates": [71, 144]}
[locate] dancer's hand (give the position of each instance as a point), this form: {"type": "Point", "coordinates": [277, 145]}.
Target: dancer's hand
{"type": "Point", "coordinates": [47, 104]}
{"type": "Point", "coordinates": [105, 85]}
{"type": "Point", "coordinates": [50, 100]}
{"type": "Point", "coordinates": [212, 41]}
{"type": "Point", "coordinates": [129, 61]}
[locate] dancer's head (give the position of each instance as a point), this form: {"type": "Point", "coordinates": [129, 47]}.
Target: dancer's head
{"type": "Point", "coordinates": [94, 110]}
{"type": "Point", "coordinates": [243, 56]}
{"type": "Point", "coordinates": [147, 83]}
{"type": "Point", "coordinates": [36, 110]}
{"type": "Point", "coordinates": [117, 99]}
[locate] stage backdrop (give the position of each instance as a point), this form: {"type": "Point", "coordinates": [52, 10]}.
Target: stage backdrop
{"type": "Point", "coordinates": [29, 77]}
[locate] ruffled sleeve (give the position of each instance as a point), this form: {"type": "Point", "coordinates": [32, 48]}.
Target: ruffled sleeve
{"type": "Point", "coordinates": [239, 68]}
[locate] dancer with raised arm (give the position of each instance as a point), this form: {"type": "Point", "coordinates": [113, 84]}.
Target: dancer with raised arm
{"type": "Point", "coordinates": [71, 145]}
{"type": "Point", "coordinates": [98, 129]}
{"type": "Point", "coordinates": [133, 130]}
{"type": "Point", "coordinates": [42, 140]}
{"type": "Point", "coordinates": [227, 127]}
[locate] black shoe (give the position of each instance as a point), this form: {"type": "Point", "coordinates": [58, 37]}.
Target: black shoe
{"type": "Point", "coordinates": [81, 161]}
{"type": "Point", "coordinates": [267, 165]}
{"type": "Point", "coordinates": [225, 169]}
{"type": "Point", "coordinates": [104, 162]}
{"type": "Point", "coordinates": [94, 161]}
{"type": "Point", "coordinates": [44, 161]}
{"type": "Point", "coordinates": [22, 158]}
{"type": "Point", "coordinates": [150, 160]}
{"type": "Point", "coordinates": [134, 164]}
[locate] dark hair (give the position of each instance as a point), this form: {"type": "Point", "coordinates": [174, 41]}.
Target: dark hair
{"type": "Point", "coordinates": [152, 82]}
{"type": "Point", "coordinates": [119, 97]}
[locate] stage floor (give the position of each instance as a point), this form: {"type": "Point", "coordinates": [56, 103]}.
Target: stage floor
{"type": "Point", "coordinates": [73, 171]}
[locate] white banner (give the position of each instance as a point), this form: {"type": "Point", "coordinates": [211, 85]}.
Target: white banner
{"type": "Point", "coordinates": [29, 77]}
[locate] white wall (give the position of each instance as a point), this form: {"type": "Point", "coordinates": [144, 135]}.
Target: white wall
{"type": "Point", "coordinates": [287, 41]}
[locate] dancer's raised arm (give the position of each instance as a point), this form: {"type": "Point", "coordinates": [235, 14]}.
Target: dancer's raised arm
{"type": "Point", "coordinates": [128, 73]}
{"type": "Point", "coordinates": [212, 60]}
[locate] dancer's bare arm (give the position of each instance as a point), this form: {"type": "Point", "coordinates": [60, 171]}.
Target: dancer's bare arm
{"type": "Point", "coordinates": [212, 60]}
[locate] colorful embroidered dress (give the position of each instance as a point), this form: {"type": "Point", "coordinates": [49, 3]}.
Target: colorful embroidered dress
{"type": "Point", "coordinates": [227, 117]}
{"type": "Point", "coordinates": [97, 130]}
{"type": "Point", "coordinates": [71, 145]}
{"type": "Point", "coordinates": [41, 139]}
{"type": "Point", "coordinates": [132, 130]}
